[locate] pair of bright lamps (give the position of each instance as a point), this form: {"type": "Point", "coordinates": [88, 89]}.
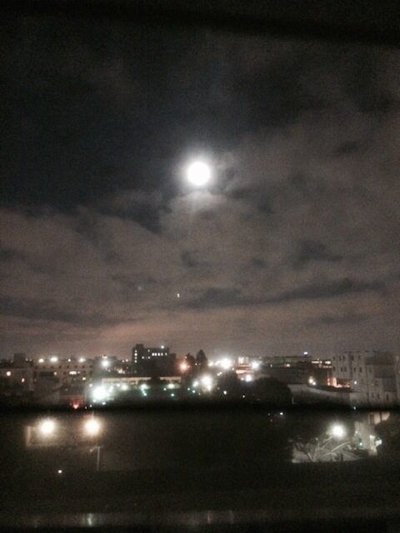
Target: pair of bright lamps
{"type": "Point", "coordinates": [48, 427]}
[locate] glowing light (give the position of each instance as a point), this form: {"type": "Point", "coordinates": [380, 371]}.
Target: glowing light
{"type": "Point", "coordinates": [311, 381]}
{"type": "Point", "coordinates": [162, 347]}
{"type": "Point", "coordinates": [92, 427]}
{"type": "Point", "coordinates": [82, 359]}
{"type": "Point", "coordinates": [226, 363]}
{"type": "Point", "coordinates": [99, 394]}
{"type": "Point", "coordinates": [170, 386]}
{"type": "Point", "coordinates": [143, 386]}
{"type": "Point", "coordinates": [47, 427]}
{"type": "Point", "coordinates": [41, 360]}
{"type": "Point", "coordinates": [105, 363]}
{"type": "Point", "coordinates": [198, 173]}
{"type": "Point", "coordinates": [53, 359]}
{"type": "Point", "coordinates": [59, 471]}
{"type": "Point", "coordinates": [255, 365]}
{"type": "Point", "coordinates": [207, 382]}
{"type": "Point", "coordinates": [124, 386]}
{"type": "Point", "coordinates": [195, 384]}
{"type": "Point", "coordinates": [178, 294]}
{"type": "Point", "coordinates": [184, 367]}
{"type": "Point", "coordinates": [337, 431]}
{"type": "Point", "coordinates": [8, 373]}
{"type": "Point", "coordinates": [248, 378]}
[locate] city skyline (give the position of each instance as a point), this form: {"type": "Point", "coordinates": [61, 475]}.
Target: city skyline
{"type": "Point", "coordinates": [292, 246]}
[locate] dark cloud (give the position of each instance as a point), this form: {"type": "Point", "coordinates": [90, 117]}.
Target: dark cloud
{"type": "Point", "coordinates": [347, 319]}
{"type": "Point", "coordinates": [314, 251]}
{"type": "Point", "coordinates": [103, 243]}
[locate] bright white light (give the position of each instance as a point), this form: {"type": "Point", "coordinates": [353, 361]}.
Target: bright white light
{"type": "Point", "coordinates": [255, 365]}
{"type": "Point", "coordinates": [53, 359]}
{"type": "Point", "coordinates": [198, 173]}
{"type": "Point", "coordinates": [99, 394]}
{"type": "Point", "coordinates": [59, 471]}
{"type": "Point", "coordinates": [170, 386]}
{"type": "Point", "coordinates": [143, 386]}
{"type": "Point", "coordinates": [41, 360]}
{"type": "Point", "coordinates": [337, 431]}
{"type": "Point", "coordinates": [8, 373]}
{"type": "Point", "coordinates": [207, 382]}
{"type": "Point", "coordinates": [47, 427]}
{"type": "Point", "coordinates": [162, 347]}
{"type": "Point", "coordinates": [105, 363]}
{"type": "Point", "coordinates": [248, 378]}
{"type": "Point", "coordinates": [195, 383]}
{"type": "Point", "coordinates": [82, 359]}
{"type": "Point", "coordinates": [311, 381]}
{"type": "Point", "coordinates": [305, 353]}
{"type": "Point", "coordinates": [124, 386]}
{"type": "Point", "coordinates": [226, 363]}
{"type": "Point", "coordinates": [184, 366]}
{"type": "Point", "coordinates": [92, 427]}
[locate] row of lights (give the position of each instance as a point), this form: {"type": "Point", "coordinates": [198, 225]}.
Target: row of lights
{"type": "Point", "coordinates": [54, 359]}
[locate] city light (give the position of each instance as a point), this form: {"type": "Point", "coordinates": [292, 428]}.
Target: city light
{"type": "Point", "coordinates": [41, 360]}
{"type": "Point", "coordinates": [105, 363]}
{"type": "Point", "coordinates": [207, 382]}
{"type": "Point", "coordinates": [92, 427]}
{"type": "Point", "coordinates": [99, 394]}
{"type": "Point", "coordinates": [248, 378]}
{"type": "Point", "coordinates": [53, 359]}
{"type": "Point", "coordinates": [337, 431]}
{"type": "Point", "coordinates": [8, 373]}
{"type": "Point", "coordinates": [198, 173]}
{"type": "Point", "coordinates": [82, 359]}
{"type": "Point", "coordinates": [184, 366]}
{"type": "Point", "coordinates": [255, 365]}
{"type": "Point", "coordinates": [311, 381]}
{"type": "Point", "coordinates": [47, 427]}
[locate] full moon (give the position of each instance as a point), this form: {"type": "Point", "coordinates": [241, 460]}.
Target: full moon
{"type": "Point", "coordinates": [198, 173]}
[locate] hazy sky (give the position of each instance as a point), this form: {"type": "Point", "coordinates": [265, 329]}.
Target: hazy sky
{"type": "Point", "coordinates": [294, 246]}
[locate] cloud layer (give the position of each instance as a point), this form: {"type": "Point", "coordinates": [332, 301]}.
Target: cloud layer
{"type": "Point", "coordinates": [295, 245]}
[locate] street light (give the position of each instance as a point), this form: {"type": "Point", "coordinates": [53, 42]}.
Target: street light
{"type": "Point", "coordinates": [337, 431]}
{"type": "Point", "coordinates": [47, 427]}
{"type": "Point", "coordinates": [92, 427]}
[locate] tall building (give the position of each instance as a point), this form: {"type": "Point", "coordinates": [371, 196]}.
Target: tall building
{"type": "Point", "coordinates": [148, 361]}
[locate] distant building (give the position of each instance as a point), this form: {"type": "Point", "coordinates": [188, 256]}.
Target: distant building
{"type": "Point", "coordinates": [298, 369]}
{"type": "Point", "coordinates": [67, 369]}
{"type": "Point", "coordinates": [371, 374]}
{"type": "Point", "coordinates": [15, 379]}
{"type": "Point", "coordinates": [152, 361]}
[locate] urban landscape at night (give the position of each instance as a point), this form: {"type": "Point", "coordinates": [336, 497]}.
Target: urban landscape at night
{"type": "Point", "coordinates": [200, 265]}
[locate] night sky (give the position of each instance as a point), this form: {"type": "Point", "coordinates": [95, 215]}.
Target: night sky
{"type": "Point", "coordinates": [295, 244]}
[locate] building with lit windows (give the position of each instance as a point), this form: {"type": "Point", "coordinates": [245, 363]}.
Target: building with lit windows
{"type": "Point", "coordinates": [148, 361]}
{"type": "Point", "coordinates": [66, 369]}
{"type": "Point", "coordinates": [370, 374]}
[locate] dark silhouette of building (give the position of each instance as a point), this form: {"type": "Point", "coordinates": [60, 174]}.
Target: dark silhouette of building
{"type": "Point", "coordinates": [154, 361]}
